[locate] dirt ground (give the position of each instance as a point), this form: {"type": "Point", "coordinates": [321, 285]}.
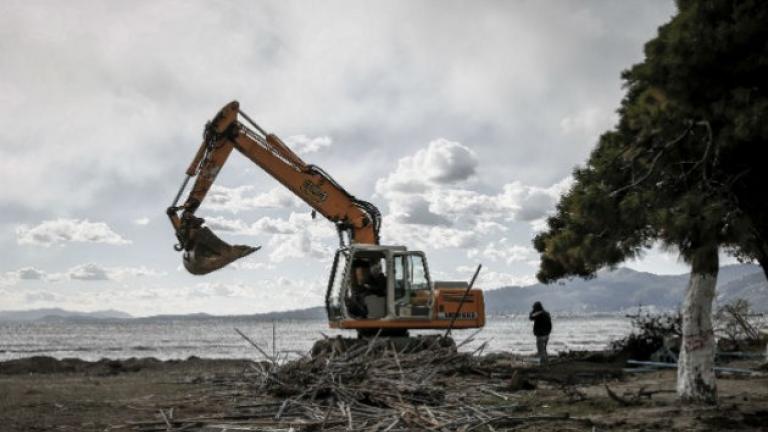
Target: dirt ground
{"type": "Point", "coordinates": [42, 394]}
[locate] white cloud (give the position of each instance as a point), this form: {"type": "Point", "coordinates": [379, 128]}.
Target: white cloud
{"type": "Point", "coordinates": [298, 236]}
{"type": "Point", "coordinates": [516, 201]}
{"type": "Point", "coordinates": [10, 278]}
{"type": "Point", "coordinates": [141, 221]}
{"type": "Point", "coordinates": [235, 200]}
{"type": "Point", "coordinates": [445, 162]}
{"type": "Point", "coordinates": [426, 237]}
{"type": "Point", "coordinates": [264, 225]}
{"type": "Point", "coordinates": [441, 162]}
{"type": "Point", "coordinates": [489, 279]}
{"type": "Point", "coordinates": [216, 289]}
{"type": "Point", "coordinates": [503, 251]}
{"type": "Point", "coordinates": [300, 245]}
{"type": "Point", "coordinates": [269, 225]}
{"type": "Point", "coordinates": [424, 189]}
{"type": "Point", "coordinates": [284, 293]}
{"type": "Point", "coordinates": [237, 226]}
{"type": "Point", "coordinates": [295, 223]}
{"type": "Point", "coordinates": [492, 279]}
{"type": "Point", "coordinates": [81, 272]}
{"type": "Point", "coordinates": [463, 202]}
{"type": "Point", "coordinates": [413, 187]}
{"type": "Point", "coordinates": [433, 212]}
{"type": "Point", "coordinates": [302, 144]}
{"type": "Point", "coordinates": [41, 297]}
{"type": "Point", "coordinates": [440, 210]}
{"type": "Point", "coordinates": [88, 272]}
{"type": "Point", "coordinates": [120, 273]}
{"type": "Point", "coordinates": [415, 209]}
{"type": "Point", "coordinates": [250, 265]}
{"type": "Point", "coordinates": [489, 227]}
{"type": "Point", "coordinates": [30, 273]}
{"type": "Point", "coordinates": [532, 202]}
{"type": "Point", "coordinates": [95, 272]}
{"type": "Point", "coordinates": [539, 225]}
{"type": "Point", "coordinates": [60, 231]}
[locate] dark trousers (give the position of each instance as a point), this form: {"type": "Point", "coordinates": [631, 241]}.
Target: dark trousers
{"type": "Point", "coordinates": [541, 347]}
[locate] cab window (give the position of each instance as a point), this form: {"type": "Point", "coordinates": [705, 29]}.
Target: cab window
{"type": "Point", "coordinates": [418, 273]}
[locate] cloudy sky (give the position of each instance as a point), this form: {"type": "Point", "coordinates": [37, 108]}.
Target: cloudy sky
{"type": "Point", "coordinates": [461, 121]}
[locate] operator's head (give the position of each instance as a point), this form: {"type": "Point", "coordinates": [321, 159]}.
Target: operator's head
{"type": "Point", "coordinates": [537, 306]}
{"type": "Point", "coordinates": [376, 269]}
{"type": "Point", "coordinates": [362, 270]}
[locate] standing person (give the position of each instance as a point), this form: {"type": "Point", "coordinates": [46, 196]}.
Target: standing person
{"type": "Point", "coordinates": [542, 327]}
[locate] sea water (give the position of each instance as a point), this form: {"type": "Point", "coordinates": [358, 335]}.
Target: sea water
{"type": "Point", "coordinates": [167, 339]}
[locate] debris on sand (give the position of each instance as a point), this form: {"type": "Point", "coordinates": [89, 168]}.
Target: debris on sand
{"type": "Point", "coordinates": [376, 387]}
{"type": "Point", "coordinates": [50, 365]}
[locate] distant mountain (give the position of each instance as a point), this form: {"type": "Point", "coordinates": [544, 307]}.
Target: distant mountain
{"type": "Point", "coordinates": [624, 289]}
{"type": "Point", "coordinates": [317, 312]}
{"type": "Point", "coordinates": [57, 313]}
{"type": "Point", "coordinates": [752, 287]}
{"type": "Point", "coordinates": [169, 317]}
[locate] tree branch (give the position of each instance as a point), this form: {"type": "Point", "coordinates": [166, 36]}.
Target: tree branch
{"type": "Point", "coordinates": [653, 162]}
{"type": "Point", "coordinates": [706, 150]}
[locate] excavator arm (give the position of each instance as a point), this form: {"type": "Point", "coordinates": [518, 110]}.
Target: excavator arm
{"type": "Point", "coordinates": [204, 252]}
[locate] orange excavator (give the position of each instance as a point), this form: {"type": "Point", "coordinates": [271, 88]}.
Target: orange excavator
{"type": "Point", "coordinates": [374, 289]}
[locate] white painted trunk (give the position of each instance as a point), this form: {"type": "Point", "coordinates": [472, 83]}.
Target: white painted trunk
{"type": "Point", "coordinates": [695, 373]}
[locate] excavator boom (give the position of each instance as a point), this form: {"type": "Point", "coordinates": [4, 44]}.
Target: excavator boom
{"type": "Point", "coordinates": [204, 252]}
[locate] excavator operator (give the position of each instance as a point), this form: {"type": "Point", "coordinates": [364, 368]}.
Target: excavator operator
{"type": "Point", "coordinates": [369, 290]}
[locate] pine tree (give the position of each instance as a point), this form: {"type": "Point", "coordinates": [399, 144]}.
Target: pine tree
{"type": "Point", "coordinates": [682, 166]}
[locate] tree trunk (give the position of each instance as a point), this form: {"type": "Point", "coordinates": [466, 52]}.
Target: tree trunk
{"type": "Point", "coordinates": [695, 373]}
{"type": "Point", "coordinates": [762, 258]}
{"type": "Point", "coordinates": [760, 245]}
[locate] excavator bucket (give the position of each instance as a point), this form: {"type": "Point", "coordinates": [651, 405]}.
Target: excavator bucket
{"type": "Point", "coordinates": [210, 253]}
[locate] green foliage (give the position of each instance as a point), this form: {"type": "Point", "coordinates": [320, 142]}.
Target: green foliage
{"type": "Point", "coordinates": [648, 334]}
{"type": "Point", "coordinates": [681, 166]}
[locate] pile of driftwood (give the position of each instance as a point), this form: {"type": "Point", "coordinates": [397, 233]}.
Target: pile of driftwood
{"type": "Point", "coordinates": [376, 374]}
{"type": "Point", "coordinates": [371, 386]}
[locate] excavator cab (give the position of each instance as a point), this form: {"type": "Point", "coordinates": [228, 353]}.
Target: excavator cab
{"type": "Point", "coordinates": [376, 288]}
{"type": "Point", "coordinates": [373, 286]}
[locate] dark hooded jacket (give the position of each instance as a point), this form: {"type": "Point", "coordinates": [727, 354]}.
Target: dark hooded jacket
{"type": "Point", "coordinates": [542, 323]}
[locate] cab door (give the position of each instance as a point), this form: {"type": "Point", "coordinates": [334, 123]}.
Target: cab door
{"type": "Point", "coordinates": [337, 286]}
{"type": "Point", "coordinates": [413, 292]}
